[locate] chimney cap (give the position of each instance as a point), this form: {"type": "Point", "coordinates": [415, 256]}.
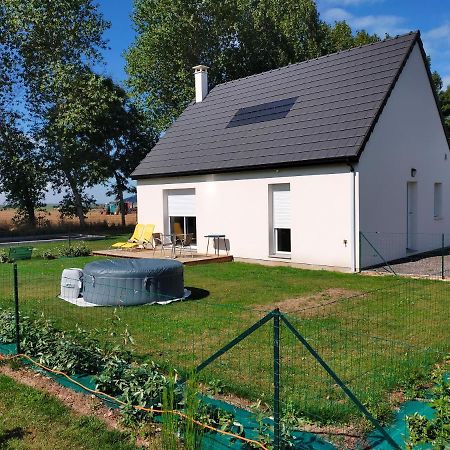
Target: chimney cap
{"type": "Point", "coordinates": [200, 68]}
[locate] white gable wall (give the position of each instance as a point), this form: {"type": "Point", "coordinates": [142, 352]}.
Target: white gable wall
{"type": "Point", "coordinates": [237, 204]}
{"type": "Point", "coordinates": [408, 135]}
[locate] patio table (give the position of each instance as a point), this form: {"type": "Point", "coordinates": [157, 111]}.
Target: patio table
{"type": "Point", "coordinates": [216, 238]}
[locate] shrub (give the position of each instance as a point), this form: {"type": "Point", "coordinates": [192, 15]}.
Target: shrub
{"type": "Point", "coordinates": [73, 352]}
{"type": "Point", "coordinates": [48, 254]}
{"type": "Point", "coordinates": [75, 251]}
{"type": "Point", "coordinates": [433, 431]}
{"type": "Point", "coordinates": [4, 257]}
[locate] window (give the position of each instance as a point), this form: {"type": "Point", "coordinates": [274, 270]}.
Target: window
{"type": "Point", "coordinates": [281, 218]}
{"type": "Point", "coordinates": [184, 225]}
{"type": "Point", "coordinates": [181, 214]}
{"type": "Point", "coordinates": [437, 200]}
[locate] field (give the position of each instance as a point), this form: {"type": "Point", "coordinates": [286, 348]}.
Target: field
{"type": "Point", "coordinates": [50, 218]}
{"type": "Point", "coordinates": [380, 334]}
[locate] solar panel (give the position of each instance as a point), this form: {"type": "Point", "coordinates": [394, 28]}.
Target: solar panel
{"type": "Point", "coordinates": [262, 112]}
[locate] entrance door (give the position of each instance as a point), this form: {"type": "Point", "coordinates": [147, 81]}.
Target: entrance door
{"type": "Point", "coordinates": [411, 207]}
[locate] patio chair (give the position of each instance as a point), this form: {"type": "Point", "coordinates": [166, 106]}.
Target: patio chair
{"type": "Point", "coordinates": [184, 241]}
{"type": "Point", "coordinates": [146, 238]}
{"type": "Point", "coordinates": [177, 229]}
{"type": "Point", "coordinates": [135, 237]}
{"type": "Point", "coordinates": [161, 240]}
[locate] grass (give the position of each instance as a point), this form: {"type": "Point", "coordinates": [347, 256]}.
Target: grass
{"type": "Point", "coordinates": [385, 332]}
{"type": "Point", "coordinates": [31, 419]}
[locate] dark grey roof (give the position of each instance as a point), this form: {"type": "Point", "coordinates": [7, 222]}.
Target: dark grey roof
{"type": "Point", "coordinates": [321, 110]}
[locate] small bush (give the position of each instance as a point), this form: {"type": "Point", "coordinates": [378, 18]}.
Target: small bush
{"type": "Point", "coordinates": [48, 254]}
{"type": "Point", "coordinates": [4, 258]}
{"type": "Point", "coordinates": [433, 431]}
{"type": "Point", "coordinates": [75, 251]}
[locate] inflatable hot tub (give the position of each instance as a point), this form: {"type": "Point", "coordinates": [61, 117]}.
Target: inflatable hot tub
{"type": "Point", "coordinates": [127, 282]}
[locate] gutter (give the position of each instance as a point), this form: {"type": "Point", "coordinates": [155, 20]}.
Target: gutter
{"type": "Point", "coordinates": [353, 217]}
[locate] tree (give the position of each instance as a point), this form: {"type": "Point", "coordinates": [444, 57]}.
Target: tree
{"type": "Point", "coordinates": [130, 144]}
{"type": "Point", "coordinates": [48, 36]}
{"type": "Point", "coordinates": [443, 97]}
{"type": "Point", "coordinates": [21, 177]}
{"type": "Point", "coordinates": [54, 44]}
{"type": "Point", "coordinates": [341, 37]}
{"type": "Point", "coordinates": [72, 143]}
{"type": "Point", "coordinates": [235, 38]}
{"type": "Point", "coordinates": [124, 137]}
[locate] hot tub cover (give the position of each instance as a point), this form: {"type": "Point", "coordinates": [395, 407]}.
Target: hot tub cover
{"type": "Point", "coordinates": [124, 282]}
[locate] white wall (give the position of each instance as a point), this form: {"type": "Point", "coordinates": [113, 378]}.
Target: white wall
{"type": "Point", "coordinates": [237, 204]}
{"type": "Point", "coordinates": [408, 135]}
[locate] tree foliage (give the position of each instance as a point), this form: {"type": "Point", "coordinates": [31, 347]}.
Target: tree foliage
{"type": "Point", "coordinates": [48, 37]}
{"type": "Point", "coordinates": [52, 43]}
{"type": "Point", "coordinates": [236, 38]}
{"type": "Point", "coordinates": [443, 94]}
{"type": "Point", "coordinates": [21, 175]}
{"type": "Point", "coordinates": [91, 134]}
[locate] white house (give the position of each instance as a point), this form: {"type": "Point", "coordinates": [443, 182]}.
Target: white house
{"type": "Point", "coordinates": [294, 163]}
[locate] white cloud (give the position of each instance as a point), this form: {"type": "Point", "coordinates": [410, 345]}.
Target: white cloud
{"type": "Point", "coordinates": [437, 44]}
{"type": "Point", "coordinates": [441, 33]}
{"type": "Point", "coordinates": [379, 24]}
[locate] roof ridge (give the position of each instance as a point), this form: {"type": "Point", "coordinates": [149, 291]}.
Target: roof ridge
{"type": "Point", "coordinates": [398, 36]}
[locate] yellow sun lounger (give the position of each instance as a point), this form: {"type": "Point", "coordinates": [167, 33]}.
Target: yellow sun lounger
{"type": "Point", "coordinates": [146, 238]}
{"type": "Point", "coordinates": [135, 237]}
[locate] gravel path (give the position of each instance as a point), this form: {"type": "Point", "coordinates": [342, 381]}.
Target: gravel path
{"type": "Point", "coordinates": [429, 266]}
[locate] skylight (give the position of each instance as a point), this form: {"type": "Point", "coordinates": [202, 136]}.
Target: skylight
{"type": "Point", "coordinates": [262, 112]}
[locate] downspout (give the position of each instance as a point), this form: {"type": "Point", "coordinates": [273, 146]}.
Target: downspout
{"type": "Point", "coordinates": [353, 217]}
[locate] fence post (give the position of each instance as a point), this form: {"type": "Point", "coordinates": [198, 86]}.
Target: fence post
{"type": "Point", "coordinates": [276, 379]}
{"type": "Point", "coordinates": [16, 307]}
{"type": "Point", "coordinates": [442, 256]}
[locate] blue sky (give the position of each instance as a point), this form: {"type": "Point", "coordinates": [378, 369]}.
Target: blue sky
{"type": "Point", "coordinates": [431, 17]}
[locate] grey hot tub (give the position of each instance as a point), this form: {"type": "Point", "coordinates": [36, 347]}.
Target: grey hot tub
{"type": "Point", "coordinates": [125, 282]}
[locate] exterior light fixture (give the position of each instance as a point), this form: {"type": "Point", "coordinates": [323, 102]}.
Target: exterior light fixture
{"type": "Point", "coordinates": [413, 172]}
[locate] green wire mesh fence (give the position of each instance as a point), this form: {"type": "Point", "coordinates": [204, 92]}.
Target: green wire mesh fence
{"type": "Point", "coordinates": [377, 343]}
{"type": "Point", "coordinates": [419, 254]}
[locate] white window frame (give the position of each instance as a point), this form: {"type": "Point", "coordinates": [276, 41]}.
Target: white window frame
{"type": "Point", "coordinates": [192, 213]}
{"type": "Point", "coordinates": [273, 238]}
{"type": "Point", "coordinates": [437, 201]}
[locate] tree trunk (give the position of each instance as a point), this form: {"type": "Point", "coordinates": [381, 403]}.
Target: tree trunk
{"type": "Point", "coordinates": [77, 200]}
{"type": "Point", "coordinates": [31, 214]}
{"type": "Point", "coordinates": [119, 192]}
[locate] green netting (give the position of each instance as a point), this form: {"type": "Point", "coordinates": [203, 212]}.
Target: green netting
{"type": "Point", "coordinates": [302, 440]}
{"type": "Point", "coordinates": [398, 430]}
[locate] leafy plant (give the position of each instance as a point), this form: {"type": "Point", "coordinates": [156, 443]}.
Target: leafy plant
{"type": "Point", "coordinates": [48, 254]}
{"type": "Point", "coordinates": [215, 387]}
{"type": "Point", "coordinates": [169, 434]}
{"type": "Point", "coordinates": [4, 257]}
{"type": "Point", "coordinates": [435, 430]}
{"type": "Point", "coordinates": [191, 432]}
{"type": "Point", "coordinates": [76, 351]}
{"type": "Point", "coordinates": [75, 251]}
{"type": "Point", "coordinates": [7, 326]}
{"type": "Point", "coordinates": [141, 385]}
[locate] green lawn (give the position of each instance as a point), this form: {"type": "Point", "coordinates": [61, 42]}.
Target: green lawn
{"type": "Point", "coordinates": [377, 337]}
{"type": "Point", "coordinates": [31, 419]}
